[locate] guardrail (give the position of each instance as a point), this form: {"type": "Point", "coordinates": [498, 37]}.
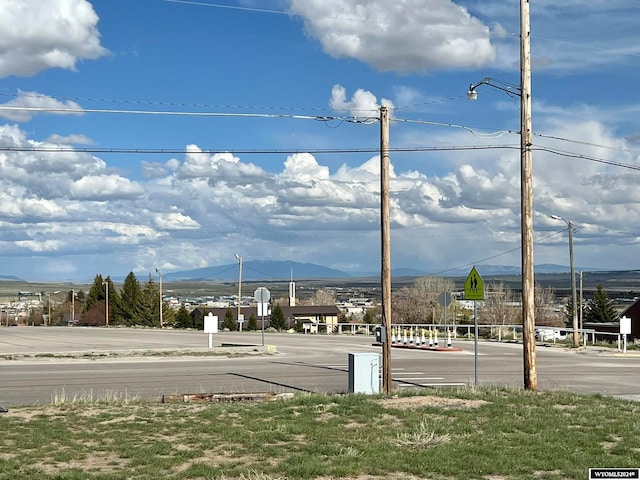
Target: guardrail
{"type": "Point", "coordinates": [492, 332]}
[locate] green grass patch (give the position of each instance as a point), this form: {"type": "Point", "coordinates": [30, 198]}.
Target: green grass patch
{"type": "Point", "coordinates": [483, 433]}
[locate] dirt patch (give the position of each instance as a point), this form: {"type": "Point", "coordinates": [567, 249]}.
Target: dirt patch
{"type": "Point", "coordinates": [403, 403]}
{"type": "Point", "coordinates": [102, 463]}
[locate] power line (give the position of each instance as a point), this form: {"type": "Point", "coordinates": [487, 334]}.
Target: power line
{"type": "Point", "coordinates": [247, 151]}
{"type": "Point", "coordinates": [159, 103]}
{"type": "Point", "coordinates": [486, 259]}
{"type": "Point", "coordinates": [171, 151]}
{"type": "Point", "coordinates": [369, 119]}
{"type": "Point", "coordinates": [78, 111]}
{"type": "Point", "coordinates": [230, 7]}
{"type": "Point", "coordinates": [379, 22]}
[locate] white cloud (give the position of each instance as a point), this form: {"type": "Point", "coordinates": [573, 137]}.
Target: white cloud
{"type": "Point", "coordinates": [407, 36]}
{"type": "Point", "coordinates": [304, 168]}
{"type": "Point", "coordinates": [12, 109]}
{"type": "Point", "coordinates": [174, 221]}
{"type": "Point", "coordinates": [363, 104]}
{"type": "Point", "coordinates": [104, 187]}
{"type": "Point", "coordinates": [202, 207]}
{"type": "Point", "coordinates": [42, 34]}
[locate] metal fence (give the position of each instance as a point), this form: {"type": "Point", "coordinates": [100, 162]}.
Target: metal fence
{"type": "Point", "coordinates": [490, 332]}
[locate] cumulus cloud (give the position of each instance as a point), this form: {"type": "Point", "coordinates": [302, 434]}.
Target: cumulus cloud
{"type": "Point", "coordinates": [199, 207]}
{"type": "Point", "coordinates": [42, 34]}
{"type": "Point", "coordinates": [17, 110]}
{"type": "Point", "coordinates": [104, 187]}
{"type": "Point", "coordinates": [408, 36]}
{"type": "Point", "coordinates": [363, 104]}
{"type": "Point", "coordinates": [174, 221]}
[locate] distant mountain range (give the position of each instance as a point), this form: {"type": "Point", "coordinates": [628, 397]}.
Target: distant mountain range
{"type": "Point", "coordinates": [267, 270]}
{"type": "Point", "coordinates": [259, 270]}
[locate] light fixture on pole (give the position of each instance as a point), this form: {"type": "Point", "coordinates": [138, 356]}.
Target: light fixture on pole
{"type": "Point", "coordinates": [509, 88]}
{"type": "Point", "coordinates": [239, 258]}
{"type": "Point", "coordinates": [160, 281]}
{"type": "Point", "coordinates": [106, 302]}
{"type": "Point", "coordinates": [526, 191]}
{"type": "Point", "coordinates": [574, 299]}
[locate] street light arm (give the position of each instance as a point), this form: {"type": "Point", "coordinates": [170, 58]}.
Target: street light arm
{"type": "Point", "coordinates": [568, 222]}
{"type": "Point", "coordinates": [509, 88]}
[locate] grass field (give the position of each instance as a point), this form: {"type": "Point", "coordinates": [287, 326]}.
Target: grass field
{"type": "Point", "coordinates": [491, 434]}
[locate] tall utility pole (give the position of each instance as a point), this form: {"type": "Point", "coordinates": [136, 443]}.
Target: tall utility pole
{"type": "Point", "coordinates": [526, 192]}
{"type": "Point", "coordinates": [574, 295]}
{"type": "Point", "coordinates": [160, 280]}
{"type": "Point", "coordinates": [574, 300]}
{"type": "Point", "coordinates": [239, 258]}
{"type": "Point", "coordinates": [581, 299]}
{"type": "Point", "coordinates": [106, 303]}
{"type": "Point", "coordinates": [385, 228]}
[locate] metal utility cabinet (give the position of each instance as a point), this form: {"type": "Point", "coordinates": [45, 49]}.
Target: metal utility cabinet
{"type": "Point", "coordinates": [364, 373]}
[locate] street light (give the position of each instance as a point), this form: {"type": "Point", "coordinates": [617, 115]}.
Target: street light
{"type": "Point", "coordinates": [106, 303]}
{"type": "Point", "coordinates": [160, 277]}
{"type": "Point", "coordinates": [526, 191]}
{"type": "Point", "coordinates": [239, 258]}
{"type": "Point", "coordinates": [574, 300]}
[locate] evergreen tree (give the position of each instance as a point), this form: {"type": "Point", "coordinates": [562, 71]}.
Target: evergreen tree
{"type": "Point", "coordinates": [277, 319]}
{"type": "Point", "coordinates": [150, 304]}
{"type": "Point", "coordinates": [568, 318]}
{"type": "Point", "coordinates": [131, 300]}
{"type": "Point", "coordinates": [600, 308]}
{"type": "Point", "coordinates": [229, 323]}
{"type": "Point", "coordinates": [96, 294]}
{"type": "Point", "coordinates": [253, 323]}
{"type": "Point", "coordinates": [183, 319]}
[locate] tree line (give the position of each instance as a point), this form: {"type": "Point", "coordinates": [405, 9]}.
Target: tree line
{"type": "Point", "coordinates": [419, 304]}
{"type": "Point", "coordinates": [134, 304]}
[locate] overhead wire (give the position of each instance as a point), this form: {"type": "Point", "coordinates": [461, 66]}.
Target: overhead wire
{"type": "Point", "coordinates": [364, 119]}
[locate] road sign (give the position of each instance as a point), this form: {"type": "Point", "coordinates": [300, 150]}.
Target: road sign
{"type": "Point", "coordinates": [474, 286]}
{"type": "Point", "coordinates": [444, 299]}
{"type": "Point", "coordinates": [262, 295]}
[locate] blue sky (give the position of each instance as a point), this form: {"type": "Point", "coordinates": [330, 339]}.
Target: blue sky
{"type": "Point", "coordinates": [144, 134]}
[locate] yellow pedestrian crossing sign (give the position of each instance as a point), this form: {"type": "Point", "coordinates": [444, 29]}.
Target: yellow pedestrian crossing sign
{"type": "Point", "coordinates": [474, 286]}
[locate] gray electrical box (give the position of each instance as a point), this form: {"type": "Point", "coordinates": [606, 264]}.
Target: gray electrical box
{"type": "Point", "coordinates": [364, 373]}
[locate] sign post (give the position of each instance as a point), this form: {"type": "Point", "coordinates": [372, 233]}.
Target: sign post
{"type": "Point", "coordinates": [262, 296]}
{"type": "Point", "coordinates": [211, 326]}
{"type": "Point", "coordinates": [625, 329]}
{"type": "Point", "coordinates": [474, 290]}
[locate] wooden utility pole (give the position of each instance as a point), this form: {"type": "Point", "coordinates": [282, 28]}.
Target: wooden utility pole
{"type": "Point", "coordinates": [239, 290]}
{"type": "Point", "coordinates": [385, 228]}
{"type": "Point", "coordinates": [526, 187]}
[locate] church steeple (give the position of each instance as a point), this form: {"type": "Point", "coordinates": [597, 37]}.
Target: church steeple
{"type": "Point", "coordinates": [292, 291]}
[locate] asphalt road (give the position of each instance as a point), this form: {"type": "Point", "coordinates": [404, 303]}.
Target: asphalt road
{"type": "Point", "coordinates": [34, 370]}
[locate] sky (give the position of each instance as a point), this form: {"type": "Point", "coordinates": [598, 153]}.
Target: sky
{"type": "Point", "coordinates": [138, 135]}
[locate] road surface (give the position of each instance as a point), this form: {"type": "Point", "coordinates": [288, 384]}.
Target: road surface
{"type": "Point", "coordinates": [35, 367]}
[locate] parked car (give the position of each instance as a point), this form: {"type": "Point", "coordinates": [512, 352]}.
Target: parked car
{"type": "Point", "coordinates": [546, 334]}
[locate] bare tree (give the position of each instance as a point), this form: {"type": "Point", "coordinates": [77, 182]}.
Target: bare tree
{"type": "Point", "coordinates": [323, 297]}
{"type": "Point", "coordinates": [545, 299]}
{"type": "Point", "coordinates": [419, 304]}
{"type": "Point", "coordinates": [499, 307]}
{"type": "Point", "coordinates": [429, 289]}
